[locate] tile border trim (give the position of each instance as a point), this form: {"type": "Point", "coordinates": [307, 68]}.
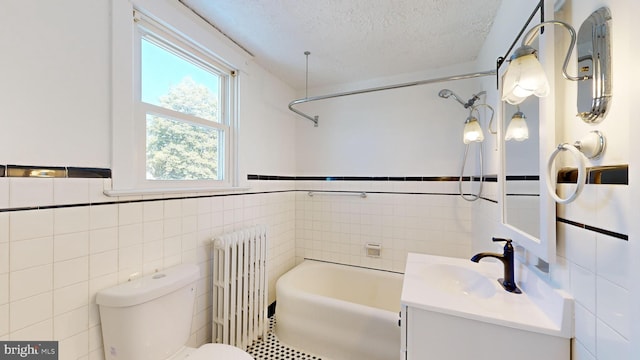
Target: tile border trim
{"type": "Point", "coordinates": [614, 234]}
{"type": "Point", "coordinates": [601, 175]}
{"type": "Point", "coordinates": [487, 178]}
{"type": "Point", "coordinates": [54, 172]}
{"type": "Point", "coordinates": [597, 175]}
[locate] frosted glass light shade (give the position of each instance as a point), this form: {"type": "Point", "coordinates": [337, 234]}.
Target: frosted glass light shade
{"type": "Point", "coordinates": [517, 129]}
{"type": "Point", "coordinates": [472, 131]}
{"type": "Point", "coordinates": [512, 99]}
{"type": "Point", "coordinates": [524, 77]}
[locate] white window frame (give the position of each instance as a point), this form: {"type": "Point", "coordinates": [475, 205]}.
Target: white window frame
{"type": "Point", "coordinates": [129, 113]}
{"type": "Point", "coordinates": [151, 31]}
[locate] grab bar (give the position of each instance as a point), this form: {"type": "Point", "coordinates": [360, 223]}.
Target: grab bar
{"type": "Point", "coordinates": [361, 194]}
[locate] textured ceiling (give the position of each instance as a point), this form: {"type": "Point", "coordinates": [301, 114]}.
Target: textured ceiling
{"type": "Point", "coordinates": [351, 40]}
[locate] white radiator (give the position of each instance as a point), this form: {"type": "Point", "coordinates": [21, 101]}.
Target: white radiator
{"type": "Point", "coordinates": [240, 287]}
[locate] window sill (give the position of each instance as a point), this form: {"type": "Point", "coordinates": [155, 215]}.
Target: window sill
{"type": "Point", "coordinates": [133, 192]}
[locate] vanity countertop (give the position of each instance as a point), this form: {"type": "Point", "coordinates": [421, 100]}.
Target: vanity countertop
{"type": "Point", "coordinates": [470, 290]}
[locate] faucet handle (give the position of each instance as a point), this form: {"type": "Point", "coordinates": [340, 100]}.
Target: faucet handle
{"type": "Point", "coordinates": [495, 239]}
{"type": "Point", "coordinates": [507, 246]}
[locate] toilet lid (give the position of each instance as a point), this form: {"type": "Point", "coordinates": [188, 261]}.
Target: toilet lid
{"type": "Point", "coordinates": [219, 352]}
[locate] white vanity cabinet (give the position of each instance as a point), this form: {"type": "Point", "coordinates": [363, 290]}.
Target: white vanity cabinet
{"type": "Point", "coordinates": [453, 309]}
{"type": "Point", "coordinates": [430, 335]}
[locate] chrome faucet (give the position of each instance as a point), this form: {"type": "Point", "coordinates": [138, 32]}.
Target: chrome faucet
{"type": "Point", "coordinates": [509, 280]}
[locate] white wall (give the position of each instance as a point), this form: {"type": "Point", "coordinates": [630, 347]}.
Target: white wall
{"type": "Point", "coordinates": [267, 131]}
{"type": "Point", "coordinates": [54, 97]}
{"type": "Point", "coordinates": [403, 132]}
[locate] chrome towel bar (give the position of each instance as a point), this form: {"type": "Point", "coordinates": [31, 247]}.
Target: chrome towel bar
{"type": "Point", "coordinates": [361, 194]}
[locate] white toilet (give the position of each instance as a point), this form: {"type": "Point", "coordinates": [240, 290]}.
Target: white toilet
{"type": "Point", "coordinates": [150, 319]}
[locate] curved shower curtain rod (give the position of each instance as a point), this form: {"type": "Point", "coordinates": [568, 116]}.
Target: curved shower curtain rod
{"type": "Point", "coordinates": [315, 118]}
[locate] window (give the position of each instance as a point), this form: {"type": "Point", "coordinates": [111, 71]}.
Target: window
{"type": "Point", "coordinates": [183, 102]}
{"type": "Point", "coordinates": [173, 103]}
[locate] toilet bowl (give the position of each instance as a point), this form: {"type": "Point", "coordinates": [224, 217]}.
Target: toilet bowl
{"type": "Point", "coordinates": [150, 319]}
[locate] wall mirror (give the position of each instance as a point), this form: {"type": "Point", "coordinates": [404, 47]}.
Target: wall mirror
{"type": "Point", "coordinates": [528, 212]}
{"type": "Point", "coordinates": [521, 170]}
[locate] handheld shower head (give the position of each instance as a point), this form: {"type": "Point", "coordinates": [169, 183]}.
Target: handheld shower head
{"type": "Point", "coordinates": [446, 93]}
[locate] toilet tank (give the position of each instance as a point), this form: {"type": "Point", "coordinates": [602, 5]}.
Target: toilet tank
{"type": "Point", "coordinates": [148, 318]}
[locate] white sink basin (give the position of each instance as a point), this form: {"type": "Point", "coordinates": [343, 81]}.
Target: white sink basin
{"type": "Point", "coordinates": [458, 280]}
{"type": "Point", "coordinates": [462, 288]}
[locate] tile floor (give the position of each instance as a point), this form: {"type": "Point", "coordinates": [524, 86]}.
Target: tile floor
{"type": "Point", "coordinates": [272, 349]}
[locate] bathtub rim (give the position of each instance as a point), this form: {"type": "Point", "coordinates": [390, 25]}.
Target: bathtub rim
{"type": "Point", "coordinates": [306, 295]}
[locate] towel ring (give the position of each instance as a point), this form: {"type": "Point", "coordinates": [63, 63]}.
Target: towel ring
{"type": "Point", "coordinates": [591, 146]}
{"type": "Point", "coordinates": [582, 174]}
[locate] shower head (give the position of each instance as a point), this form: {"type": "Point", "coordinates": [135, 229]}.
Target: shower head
{"type": "Point", "coordinates": [446, 93]}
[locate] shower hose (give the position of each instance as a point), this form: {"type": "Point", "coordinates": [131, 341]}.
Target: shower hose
{"type": "Point", "coordinates": [471, 196]}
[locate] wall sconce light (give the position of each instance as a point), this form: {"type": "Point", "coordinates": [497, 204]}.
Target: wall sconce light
{"type": "Point", "coordinates": [525, 76]}
{"type": "Point", "coordinates": [472, 131]}
{"type": "Point", "coordinates": [517, 129]}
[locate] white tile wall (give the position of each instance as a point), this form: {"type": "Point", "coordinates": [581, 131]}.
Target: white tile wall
{"type": "Point", "coordinates": [30, 311]}
{"type": "Point", "coordinates": [335, 227]}
{"type": "Point", "coordinates": [580, 245]}
{"type": "Point", "coordinates": [53, 261]}
{"type": "Point", "coordinates": [27, 192]}
{"type": "Point", "coordinates": [610, 344]}
{"type": "Point", "coordinates": [70, 246]}
{"type": "Point", "coordinates": [31, 252]}
{"type": "Point", "coordinates": [594, 268]}
{"type": "Point", "coordinates": [4, 193]}
{"type": "Point", "coordinates": [613, 260]}
{"type": "Point", "coordinates": [30, 224]}
{"type": "Point", "coordinates": [585, 325]}
{"type": "Point", "coordinates": [579, 352]}
{"type": "Point", "coordinates": [29, 282]}
{"type": "Point", "coordinates": [613, 306]}
{"type": "Point", "coordinates": [614, 205]}
{"type": "Point", "coordinates": [70, 191]}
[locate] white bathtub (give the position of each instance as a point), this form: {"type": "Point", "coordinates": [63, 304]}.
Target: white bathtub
{"type": "Point", "coordinates": [339, 312]}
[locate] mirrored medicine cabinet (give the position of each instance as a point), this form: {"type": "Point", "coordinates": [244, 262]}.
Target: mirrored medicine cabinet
{"type": "Point", "coordinates": [528, 212]}
{"type": "Point", "coordinates": [521, 170]}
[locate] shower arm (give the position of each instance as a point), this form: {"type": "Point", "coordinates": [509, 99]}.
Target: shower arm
{"type": "Point", "coordinates": [315, 118]}
{"type": "Point", "coordinates": [493, 112]}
